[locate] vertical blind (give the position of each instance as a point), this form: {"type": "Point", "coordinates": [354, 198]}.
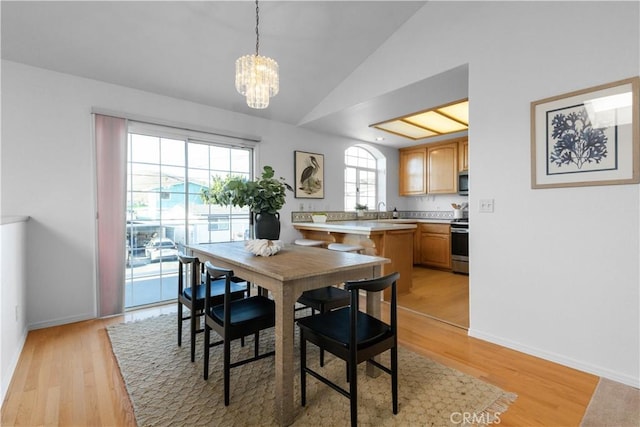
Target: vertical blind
{"type": "Point", "coordinates": [111, 149]}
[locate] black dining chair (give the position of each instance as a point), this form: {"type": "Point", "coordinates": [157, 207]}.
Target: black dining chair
{"type": "Point", "coordinates": [354, 337]}
{"type": "Point", "coordinates": [323, 300]}
{"type": "Point", "coordinates": [190, 283]}
{"type": "Point", "coordinates": [234, 319]}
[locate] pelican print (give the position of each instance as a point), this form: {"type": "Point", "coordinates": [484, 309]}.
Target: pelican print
{"type": "Point", "coordinates": [308, 181]}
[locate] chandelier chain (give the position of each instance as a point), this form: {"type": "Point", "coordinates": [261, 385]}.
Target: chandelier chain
{"type": "Point", "coordinates": [257, 32]}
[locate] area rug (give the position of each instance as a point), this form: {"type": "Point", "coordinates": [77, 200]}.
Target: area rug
{"type": "Point", "coordinates": [167, 389]}
{"type": "Point", "coordinates": [613, 404]}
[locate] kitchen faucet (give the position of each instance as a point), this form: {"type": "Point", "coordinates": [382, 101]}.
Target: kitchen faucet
{"type": "Point", "coordinates": [378, 208]}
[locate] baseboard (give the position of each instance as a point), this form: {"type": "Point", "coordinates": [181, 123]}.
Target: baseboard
{"type": "Point", "coordinates": [6, 381]}
{"type": "Point", "coordinates": [558, 358]}
{"type": "Point", "coordinates": [61, 321]}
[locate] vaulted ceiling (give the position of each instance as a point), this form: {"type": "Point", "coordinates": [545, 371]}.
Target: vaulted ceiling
{"type": "Point", "coordinates": [187, 50]}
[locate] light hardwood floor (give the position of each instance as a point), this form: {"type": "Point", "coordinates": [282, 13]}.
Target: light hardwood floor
{"type": "Point", "coordinates": [439, 294]}
{"type": "Point", "coordinates": [67, 375]}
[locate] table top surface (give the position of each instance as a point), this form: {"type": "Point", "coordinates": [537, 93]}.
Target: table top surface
{"type": "Point", "coordinates": [291, 263]}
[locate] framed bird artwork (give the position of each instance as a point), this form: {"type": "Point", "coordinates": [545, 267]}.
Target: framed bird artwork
{"type": "Point", "coordinates": [309, 170]}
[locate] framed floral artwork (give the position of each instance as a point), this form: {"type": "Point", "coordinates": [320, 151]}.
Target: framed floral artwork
{"type": "Point", "coordinates": [309, 170]}
{"type": "Point", "coordinates": [587, 137]}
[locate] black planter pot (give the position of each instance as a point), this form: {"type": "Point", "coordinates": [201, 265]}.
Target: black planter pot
{"type": "Point", "coordinates": [267, 226]}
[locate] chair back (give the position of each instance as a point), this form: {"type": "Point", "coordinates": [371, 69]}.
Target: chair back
{"type": "Point", "coordinates": [188, 266]}
{"type": "Point", "coordinates": [216, 273]}
{"type": "Point", "coordinates": [372, 285]}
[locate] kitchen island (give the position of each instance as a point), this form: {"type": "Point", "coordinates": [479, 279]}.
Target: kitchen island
{"type": "Point", "coordinates": [392, 240]}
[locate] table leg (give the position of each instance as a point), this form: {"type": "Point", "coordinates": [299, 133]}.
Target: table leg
{"type": "Point", "coordinates": [284, 333]}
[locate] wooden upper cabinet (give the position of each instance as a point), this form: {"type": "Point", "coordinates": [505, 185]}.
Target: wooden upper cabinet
{"type": "Point", "coordinates": [463, 154]}
{"type": "Point", "coordinates": [413, 169]}
{"type": "Point", "coordinates": [442, 167]}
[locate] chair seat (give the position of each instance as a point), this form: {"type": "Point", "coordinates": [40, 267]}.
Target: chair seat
{"type": "Point", "coordinates": [343, 247]}
{"type": "Point", "coordinates": [334, 326]}
{"type": "Point", "coordinates": [309, 242]}
{"type": "Point", "coordinates": [245, 312]}
{"type": "Point", "coordinates": [325, 299]}
{"type": "Point", "coordinates": [238, 290]}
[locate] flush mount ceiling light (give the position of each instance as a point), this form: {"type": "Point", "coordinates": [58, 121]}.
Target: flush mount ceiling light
{"type": "Point", "coordinates": [257, 76]}
{"type": "Point", "coordinates": [438, 121]}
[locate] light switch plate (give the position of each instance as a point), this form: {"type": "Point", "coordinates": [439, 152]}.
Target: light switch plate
{"type": "Point", "coordinates": [485, 205]}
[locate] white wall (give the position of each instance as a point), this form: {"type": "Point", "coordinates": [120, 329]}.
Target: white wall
{"type": "Point", "coordinates": [48, 173]}
{"type": "Point", "coordinates": [13, 290]}
{"type": "Point", "coordinates": [554, 272]}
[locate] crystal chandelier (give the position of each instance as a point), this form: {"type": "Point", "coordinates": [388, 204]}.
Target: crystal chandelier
{"type": "Point", "coordinates": [257, 76]}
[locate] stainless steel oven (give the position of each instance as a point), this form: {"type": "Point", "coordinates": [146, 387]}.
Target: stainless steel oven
{"type": "Point", "coordinates": [460, 247]}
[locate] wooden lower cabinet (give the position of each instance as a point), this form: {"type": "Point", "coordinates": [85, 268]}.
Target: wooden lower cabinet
{"type": "Point", "coordinates": [435, 245]}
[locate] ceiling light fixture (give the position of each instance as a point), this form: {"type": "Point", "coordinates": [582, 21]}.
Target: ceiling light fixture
{"type": "Point", "coordinates": [257, 76]}
{"type": "Point", "coordinates": [437, 121]}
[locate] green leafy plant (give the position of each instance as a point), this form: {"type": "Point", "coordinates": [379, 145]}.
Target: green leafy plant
{"type": "Point", "coordinates": [360, 207]}
{"type": "Point", "coordinates": [265, 195]}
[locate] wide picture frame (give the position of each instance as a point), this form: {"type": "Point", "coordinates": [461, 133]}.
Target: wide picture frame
{"type": "Point", "coordinates": [309, 178]}
{"type": "Point", "coordinates": [587, 137]}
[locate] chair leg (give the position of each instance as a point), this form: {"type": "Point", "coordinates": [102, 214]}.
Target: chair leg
{"type": "Point", "coordinates": [193, 335]}
{"type": "Point", "coordinates": [207, 333]}
{"type": "Point", "coordinates": [227, 370]}
{"type": "Point", "coordinates": [303, 365]}
{"type": "Point", "coordinates": [353, 392]}
{"type": "Point", "coordinates": [322, 310]}
{"type": "Point", "coordinates": [179, 324]}
{"type": "Point", "coordinates": [394, 378]}
{"type": "Point", "coordinates": [256, 344]}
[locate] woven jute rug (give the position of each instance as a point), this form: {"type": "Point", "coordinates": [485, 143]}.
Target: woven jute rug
{"type": "Point", "coordinates": [167, 389]}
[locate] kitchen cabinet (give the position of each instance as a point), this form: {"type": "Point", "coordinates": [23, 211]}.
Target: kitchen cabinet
{"type": "Point", "coordinates": [435, 245]}
{"type": "Point", "coordinates": [413, 168]}
{"type": "Point", "coordinates": [463, 155]}
{"type": "Point", "coordinates": [442, 168]}
{"type": "Point", "coordinates": [432, 168]}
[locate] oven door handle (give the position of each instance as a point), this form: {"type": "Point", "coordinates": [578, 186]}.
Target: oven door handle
{"type": "Point", "coordinates": [460, 230]}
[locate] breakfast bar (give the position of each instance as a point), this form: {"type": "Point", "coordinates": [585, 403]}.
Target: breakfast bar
{"type": "Point", "coordinates": [391, 239]}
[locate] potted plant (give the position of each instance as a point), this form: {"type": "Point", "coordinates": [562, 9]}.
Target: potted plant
{"type": "Point", "coordinates": [360, 209]}
{"type": "Point", "coordinates": [264, 197]}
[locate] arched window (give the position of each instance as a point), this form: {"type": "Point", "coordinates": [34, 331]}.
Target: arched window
{"type": "Point", "coordinates": [360, 178]}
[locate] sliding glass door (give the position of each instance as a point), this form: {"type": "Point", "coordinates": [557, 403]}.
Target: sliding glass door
{"type": "Point", "coordinates": [165, 175]}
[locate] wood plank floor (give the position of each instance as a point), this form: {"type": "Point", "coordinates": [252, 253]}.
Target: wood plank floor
{"type": "Point", "coordinates": [439, 294]}
{"type": "Point", "coordinates": [67, 375]}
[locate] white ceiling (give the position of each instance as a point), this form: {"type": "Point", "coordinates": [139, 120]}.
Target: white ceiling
{"type": "Point", "coordinates": [187, 50]}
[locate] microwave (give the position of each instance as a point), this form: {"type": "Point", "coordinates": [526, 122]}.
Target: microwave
{"type": "Point", "coordinates": [463, 183]}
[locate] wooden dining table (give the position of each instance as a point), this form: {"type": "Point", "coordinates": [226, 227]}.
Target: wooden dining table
{"type": "Point", "coordinates": [293, 270]}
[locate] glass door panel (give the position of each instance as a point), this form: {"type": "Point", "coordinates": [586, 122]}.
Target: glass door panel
{"type": "Point", "coordinates": [165, 211]}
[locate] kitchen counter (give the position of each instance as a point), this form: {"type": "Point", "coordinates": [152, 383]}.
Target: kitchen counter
{"type": "Point", "coordinates": [355, 227]}
{"type": "Point", "coordinates": [417, 221]}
